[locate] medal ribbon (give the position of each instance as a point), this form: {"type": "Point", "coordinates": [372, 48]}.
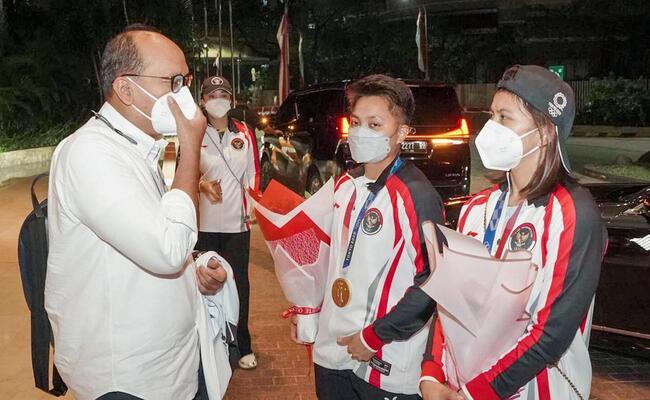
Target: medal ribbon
{"type": "Point", "coordinates": [362, 212]}
{"type": "Point", "coordinates": [491, 229]}
{"type": "Point", "coordinates": [506, 232]}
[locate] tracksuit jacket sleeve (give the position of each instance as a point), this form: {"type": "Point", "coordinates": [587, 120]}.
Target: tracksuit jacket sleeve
{"type": "Point", "coordinates": [421, 203]}
{"type": "Point", "coordinates": [253, 166]}
{"type": "Point", "coordinates": [574, 246]}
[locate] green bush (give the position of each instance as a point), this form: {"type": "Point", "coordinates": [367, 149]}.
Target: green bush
{"type": "Point", "coordinates": [618, 102]}
{"type": "Point", "coordinates": [43, 138]}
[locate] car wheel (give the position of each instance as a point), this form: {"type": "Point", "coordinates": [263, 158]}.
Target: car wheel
{"type": "Point", "coordinates": [265, 173]}
{"type": "Point", "coordinates": [314, 182]}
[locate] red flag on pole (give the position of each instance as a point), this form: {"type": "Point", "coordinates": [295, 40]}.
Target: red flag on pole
{"type": "Point", "coordinates": [283, 42]}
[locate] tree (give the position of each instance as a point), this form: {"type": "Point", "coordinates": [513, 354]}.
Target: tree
{"type": "Point", "coordinates": [51, 52]}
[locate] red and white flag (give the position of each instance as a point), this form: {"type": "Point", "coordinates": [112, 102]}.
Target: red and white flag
{"type": "Point", "coordinates": [283, 42]}
{"type": "Point", "coordinates": [421, 40]}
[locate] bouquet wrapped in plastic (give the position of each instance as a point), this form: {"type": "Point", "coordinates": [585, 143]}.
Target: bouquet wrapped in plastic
{"type": "Point", "coordinates": [481, 300]}
{"type": "Point", "coordinates": [297, 233]}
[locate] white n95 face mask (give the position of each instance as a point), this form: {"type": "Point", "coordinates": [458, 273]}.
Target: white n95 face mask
{"type": "Point", "coordinates": [500, 147]}
{"type": "Point", "coordinates": [366, 145]}
{"type": "Point", "coordinates": [217, 107]}
{"type": "Point", "coordinates": [161, 117]}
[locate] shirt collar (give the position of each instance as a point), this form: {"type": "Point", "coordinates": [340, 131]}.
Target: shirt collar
{"type": "Point", "coordinates": [216, 131]}
{"type": "Point", "coordinates": [149, 148]}
{"type": "Point", "coordinates": [377, 185]}
{"type": "Point", "coordinates": [540, 201]}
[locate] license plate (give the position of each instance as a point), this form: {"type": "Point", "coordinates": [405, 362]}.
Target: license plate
{"type": "Point", "coordinates": [419, 146]}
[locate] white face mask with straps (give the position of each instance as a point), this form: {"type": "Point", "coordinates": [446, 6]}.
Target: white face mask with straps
{"type": "Point", "coordinates": [500, 147]}
{"type": "Point", "coordinates": [367, 146]}
{"type": "Point", "coordinates": [161, 117]}
{"type": "Point", "coordinates": [217, 107]}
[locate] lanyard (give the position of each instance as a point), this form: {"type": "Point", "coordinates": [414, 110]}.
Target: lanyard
{"type": "Point", "coordinates": [225, 161]}
{"type": "Point", "coordinates": [362, 212]}
{"type": "Point", "coordinates": [119, 132]}
{"type": "Point", "coordinates": [506, 232]}
{"type": "Point", "coordinates": [244, 212]}
{"type": "Point", "coordinates": [490, 231]}
{"type": "Point", "coordinates": [158, 181]}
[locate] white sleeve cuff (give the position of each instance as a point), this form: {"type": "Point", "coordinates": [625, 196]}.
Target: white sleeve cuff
{"type": "Point", "coordinates": [425, 379]}
{"type": "Point", "coordinates": [428, 378]}
{"type": "Point", "coordinates": [178, 207]}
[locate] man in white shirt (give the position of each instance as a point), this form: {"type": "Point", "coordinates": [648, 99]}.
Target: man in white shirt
{"type": "Point", "coordinates": [119, 295]}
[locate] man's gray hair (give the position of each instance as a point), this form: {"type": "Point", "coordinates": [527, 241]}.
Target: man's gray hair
{"type": "Point", "coordinates": [121, 56]}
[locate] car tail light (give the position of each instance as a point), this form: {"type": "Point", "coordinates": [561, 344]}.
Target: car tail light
{"type": "Point", "coordinates": [459, 135]}
{"type": "Point", "coordinates": [343, 126]}
{"type": "Point", "coordinates": [464, 126]}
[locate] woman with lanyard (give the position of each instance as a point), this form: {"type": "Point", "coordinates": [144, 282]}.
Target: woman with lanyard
{"type": "Point", "coordinates": [374, 321]}
{"type": "Point", "coordinates": [541, 209]}
{"type": "Point", "coordinates": [229, 167]}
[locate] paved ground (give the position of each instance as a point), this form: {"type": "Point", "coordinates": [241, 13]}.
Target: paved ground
{"type": "Point", "coordinates": [618, 377]}
{"type": "Point", "coordinates": [283, 370]}
{"type": "Point", "coordinates": [586, 150]}
{"type": "Point", "coordinates": [284, 367]}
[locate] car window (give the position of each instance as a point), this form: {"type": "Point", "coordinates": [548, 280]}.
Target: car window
{"type": "Point", "coordinates": [435, 106]}
{"type": "Point", "coordinates": [308, 105]}
{"type": "Point", "coordinates": [287, 111]}
{"type": "Point", "coordinates": [332, 102]}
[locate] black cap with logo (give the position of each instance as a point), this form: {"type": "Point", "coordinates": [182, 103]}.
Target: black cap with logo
{"type": "Point", "coordinates": [547, 93]}
{"type": "Point", "coordinates": [212, 83]}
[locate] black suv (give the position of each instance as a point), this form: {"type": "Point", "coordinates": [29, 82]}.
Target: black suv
{"type": "Point", "coordinates": [305, 143]}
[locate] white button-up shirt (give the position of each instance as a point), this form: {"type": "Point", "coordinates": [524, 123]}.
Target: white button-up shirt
{"type": "Point", "coordinates": [118, 294]}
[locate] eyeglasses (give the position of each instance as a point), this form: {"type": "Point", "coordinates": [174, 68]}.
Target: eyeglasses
{"type": "Point", "coordinates": [177, 81]}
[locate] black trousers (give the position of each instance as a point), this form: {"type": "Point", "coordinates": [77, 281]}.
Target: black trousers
{"type": "Point", "coordinates": [235, 248]}
{"type": "Point", "coordinates": [334, 384]}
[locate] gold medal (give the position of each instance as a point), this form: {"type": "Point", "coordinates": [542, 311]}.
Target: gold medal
{"type": "Point", "coordinates": [341, 292]}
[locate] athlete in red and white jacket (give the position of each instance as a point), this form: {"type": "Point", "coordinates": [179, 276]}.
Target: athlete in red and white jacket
{"type": "Point", "coordinates": [374, 321]}
{"type": "Point", "coordinates": [563, 232]}
{"type": "Point", "coordinates": [389, 257]}
{"type": "Point", "coordinates": [538, 208]}
{"type": "Point", "coordinates": [229, 168]}
{"type": "Point", "coordinates": [231, 158]}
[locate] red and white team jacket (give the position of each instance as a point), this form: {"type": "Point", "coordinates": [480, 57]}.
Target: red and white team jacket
{"type": "Point", "coordinates": [564, 233]}
{"type": "Point", "coordinates": [234, 159]}
{"type": "Point", "coordinates": [388, 262]}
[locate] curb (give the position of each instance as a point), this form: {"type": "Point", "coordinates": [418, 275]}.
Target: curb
{"type": "Point", "coordinates": [608, 177]}
{"type": "Point", "coordinates": [609, 131]}
{"type": "Point", "coordinates": [24, 163]}
{"type": "Point", "coordinates": [593, 174]}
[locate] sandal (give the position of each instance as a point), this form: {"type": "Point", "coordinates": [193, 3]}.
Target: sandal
{"type": "Point", "coordinates": [248, 362]}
